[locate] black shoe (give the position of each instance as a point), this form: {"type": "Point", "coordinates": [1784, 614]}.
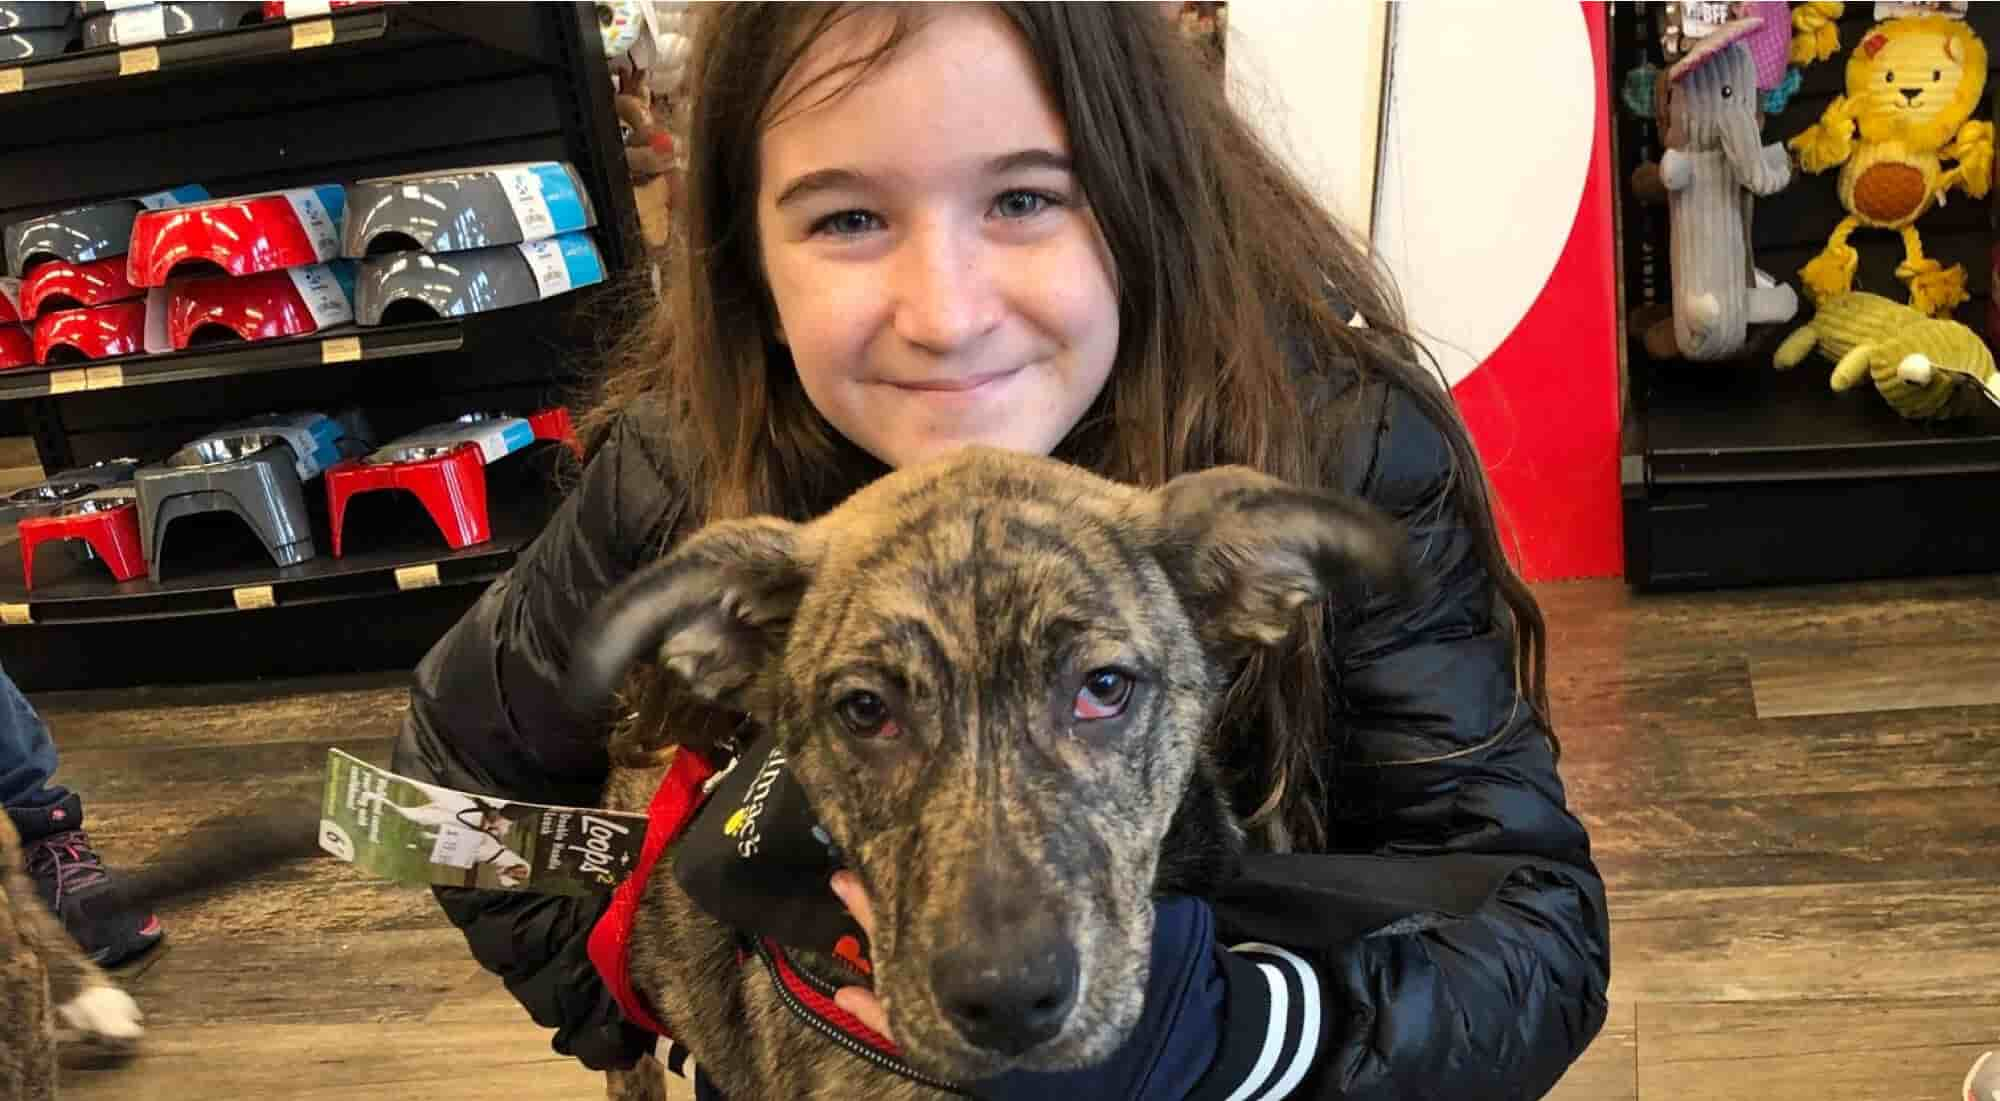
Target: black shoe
{"type": "Point", "coordinates": [69, 874]}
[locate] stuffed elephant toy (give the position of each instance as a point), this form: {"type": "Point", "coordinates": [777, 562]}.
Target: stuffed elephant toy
{"type": "Point", "coordinates": [1714, 163]}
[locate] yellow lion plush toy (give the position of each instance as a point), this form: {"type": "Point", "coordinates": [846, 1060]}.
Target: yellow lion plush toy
{"type": "Point", "coordinates": [1912, 83]}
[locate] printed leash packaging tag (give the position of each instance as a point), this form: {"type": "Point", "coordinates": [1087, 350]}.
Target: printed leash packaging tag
{"type": "Point", "coordinates": [328, 296]}
{"type": "Point", "coordinates": [408, 831]}
{"type": "Point", "coordinates": [319, 210]}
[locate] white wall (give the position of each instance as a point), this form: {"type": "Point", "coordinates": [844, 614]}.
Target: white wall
{"type": "Point", "coordinates": [1484, 149]}
{"type": "Point", "coordinates": [1308, 73]}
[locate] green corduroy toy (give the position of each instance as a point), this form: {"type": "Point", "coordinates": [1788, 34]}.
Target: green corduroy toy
{"type": "Point", "coordinates": [1925, 368]}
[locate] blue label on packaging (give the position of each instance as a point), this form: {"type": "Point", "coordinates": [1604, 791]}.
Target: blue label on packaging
{"type": "Point", "coordinates": [186, 193]}
{"type": "Point", "coordinates": [517, 435]}
{"type": "Point", "coordinates": [579, 254]}
{"type": "Point", "coordinates": [343, 274]}
{"type": "Point", "coordinates": [334, 198]}
{"type": "Point", "coordinates": [326, 435]}
{"type": "Point", "coordinates": [565, 205]}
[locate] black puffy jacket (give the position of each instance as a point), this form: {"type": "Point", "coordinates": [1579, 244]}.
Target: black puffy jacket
{"type": "Point", "coordinates": [1458, 935]}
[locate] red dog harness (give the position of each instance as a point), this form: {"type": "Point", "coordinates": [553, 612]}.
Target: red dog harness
{"type": "Point", "coordinates": [674, 805]}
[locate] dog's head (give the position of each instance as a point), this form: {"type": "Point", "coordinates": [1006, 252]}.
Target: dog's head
{"type": "Point", "coordinates": [994, 675]}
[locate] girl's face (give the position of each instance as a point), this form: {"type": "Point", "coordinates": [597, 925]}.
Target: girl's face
{"type": "Point", "coordinates": [936, 275]}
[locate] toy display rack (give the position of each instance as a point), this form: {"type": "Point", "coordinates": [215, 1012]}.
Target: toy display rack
{"type": "Point", "coordinates": [1739, 474]}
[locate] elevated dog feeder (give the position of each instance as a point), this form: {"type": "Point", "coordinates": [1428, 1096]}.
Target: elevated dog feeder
{"type": "Point", "coordinates": [106, 521]}
{"type": "Point", "coordinates": [444, 467]}
{"type": "Point", "coordinates": [252, 474]}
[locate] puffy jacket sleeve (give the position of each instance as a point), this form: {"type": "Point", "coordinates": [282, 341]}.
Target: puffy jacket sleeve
{"type": "Point", "coordinates": [486, 715]}
{"type": "Point", "coordinates": [1442, 761]}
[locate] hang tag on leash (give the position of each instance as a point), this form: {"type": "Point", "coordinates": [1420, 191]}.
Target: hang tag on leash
{"type": "Point", "coordinates": [412, 832]}
{"type": "Point", "coordinates": [756, 859]}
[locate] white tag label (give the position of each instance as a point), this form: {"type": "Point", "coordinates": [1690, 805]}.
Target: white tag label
{"type": "Point", "coordinates": [545, 259]}
{"type": "Point", "coordinates": [121, 5]}
{"type": "Point", "coordinates": [492, 440]}
{"type": "Point", "coordinates": [318, 224]}
{"type": "Point", "coordinates": [157, 338]}
{"type": "Point", "coordinates": [524, 193]}
{"type": "Point", "coordinates": [295, 9]}
{"type": "Point", "coordinates": [139, 25]}
{"type": "Point", "coordinates": [457, 847]}
{"type": "Point", "coordinates": [1702, 16]}
{"type": "Point", "coordinates": [323, 296]}
{"type": "Point", "coordinates": [10, 289]}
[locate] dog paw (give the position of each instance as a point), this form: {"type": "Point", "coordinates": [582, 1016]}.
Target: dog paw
{"type": "Point", "coordinates": [103, 1014]}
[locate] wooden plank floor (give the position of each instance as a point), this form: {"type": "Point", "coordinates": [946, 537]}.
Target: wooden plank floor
{"type": "Point", "coordinates": [1794, 795]}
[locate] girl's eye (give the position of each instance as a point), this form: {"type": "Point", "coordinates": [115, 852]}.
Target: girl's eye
{"type": "Point", "coordinates": [865, 715]}
{"type": "Point", "coordinates": [1104, 694]}
{"type": "Point", "coordinates": [1022, 204]}
{"type": "Point", "coordinates": [846, 223]}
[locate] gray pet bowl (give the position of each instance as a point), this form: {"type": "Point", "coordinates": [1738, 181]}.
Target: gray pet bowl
{"type": "Point", "coordinates": [252, 474]}
{"type": "Point", "coordinates": [459, 283]}
{"type": "Point", "coordinates": [35, 15]}
{"type": "Point", "coordinates": [33, 45]}
{"type": "Point", "coordinates": [463, 208]}
{"type": "Point", "coordinates": [77, 235]}
{"type": "Point", "coordinates": [136, 26]}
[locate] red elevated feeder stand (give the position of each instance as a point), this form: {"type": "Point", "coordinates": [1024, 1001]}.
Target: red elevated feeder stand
{"type": "Point", "coordinates": [448, 479]}
{"type": "Point", "coordinates": [109, 524]}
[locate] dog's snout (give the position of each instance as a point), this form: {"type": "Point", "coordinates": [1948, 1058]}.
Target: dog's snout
{"type": "Point", "coordinates": [1009, 995]}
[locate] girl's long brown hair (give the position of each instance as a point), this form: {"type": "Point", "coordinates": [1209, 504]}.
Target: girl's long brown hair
{"type": "Point", "coordinates": [1227, 271]}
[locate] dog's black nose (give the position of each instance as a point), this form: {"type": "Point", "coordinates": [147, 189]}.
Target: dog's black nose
{"type": "Point", "coordinates": [1008, 997]}
{"type": "Point", "coordinates": [1911, 94]}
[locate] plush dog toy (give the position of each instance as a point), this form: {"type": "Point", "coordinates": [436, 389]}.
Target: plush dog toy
{"type": "Point", "coordinates": [1925, 368]}
{"type": "Point", "coordinates": [1713, 164]}
{"type": "Point", "coordinates": [1912, 85]}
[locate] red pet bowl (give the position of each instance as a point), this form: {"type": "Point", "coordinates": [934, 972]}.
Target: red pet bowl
{"type": "Point", "coordinates": [265, 306]}
{"type": "Point", "coordinates": [61, 285]}
{"type": "Point", "coordinates": [98, 332]}
{"type": "Point", "coordinates": [109, 524]}
{"type": "Point", "coordinates": [242, 236]}
{"type": "Point", "coordinates": [17, 348]}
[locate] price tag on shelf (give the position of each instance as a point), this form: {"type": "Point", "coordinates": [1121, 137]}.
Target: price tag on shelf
{"type": "Point", "coordinates": [252, 597]}
{"type": "Point", "coordinates": [417, 577]}
{"type": "Point", "coordinates": [344, 349]}
{"type": "Point", "coordinates": [11, 80]}
{"type": "Point", "coordinates": [145, 59]}
{"type": "Point", "coordinates": [16, 615]}
{"type": "Point", "coordinates": [104, 378]}
{"type": "Point", "coordinates": [312, 32]}
{"type": "Point", "coordinates": [69, 382]}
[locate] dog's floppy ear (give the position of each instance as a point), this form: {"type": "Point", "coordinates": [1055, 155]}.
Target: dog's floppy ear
{"type": "Point", "coordinates": [715, 612]}
{"type": "Point", "coordinates": [1247, 551]}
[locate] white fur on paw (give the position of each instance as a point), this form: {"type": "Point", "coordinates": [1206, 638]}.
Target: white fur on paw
{"type": "Point", "coordinates": [103, 1012]}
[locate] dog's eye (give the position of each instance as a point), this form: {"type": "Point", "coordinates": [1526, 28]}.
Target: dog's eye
{"type": "Point", "coordinates": [1104, 695]}
{"type": "Point", "coordinates": [865, 714]}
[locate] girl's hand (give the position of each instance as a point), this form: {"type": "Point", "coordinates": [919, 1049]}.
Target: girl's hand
{"type": "Point", "coordinates": [859, 1000]}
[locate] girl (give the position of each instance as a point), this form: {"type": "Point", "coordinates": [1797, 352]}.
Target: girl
{"type": "Point", "coordinates": [1043, 227]}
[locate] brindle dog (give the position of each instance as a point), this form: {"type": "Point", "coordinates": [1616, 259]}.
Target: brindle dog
{"type": "Point", "coordinates": [996, 676]}
{"type": "Point", "coordinates": [50, 991]}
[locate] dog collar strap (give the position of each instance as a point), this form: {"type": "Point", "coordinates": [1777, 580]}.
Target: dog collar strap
{"type": "Point", "coordinates": [812, 1002]}
{"type": "Point", "coordinates": [673, 807]}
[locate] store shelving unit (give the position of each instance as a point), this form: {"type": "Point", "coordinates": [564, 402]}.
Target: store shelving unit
{"type": "Point", "coordinates": [1738, 474]}
{"type": "Point", "coordinates": [363, 92]}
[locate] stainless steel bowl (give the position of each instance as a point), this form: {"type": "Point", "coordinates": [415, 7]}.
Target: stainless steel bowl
{"type": "Point", "coordinates": [45, 493]}
{"type": "Point", "coordinates": [223, 449]}
{"type": "Point", "coordinates": [99, 504]}
{"type": "Point", "coordinates": [415, 453]}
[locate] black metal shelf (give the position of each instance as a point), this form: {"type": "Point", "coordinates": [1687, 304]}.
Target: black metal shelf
{"type": "Point", "coordinates": [390, 550]}
{"type": "Point", "coordinates": [178, 57]}
{"type": "Point", "coordinates": [1740, 474]}
{"type": "Point", "coordinates": [341, 344]}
